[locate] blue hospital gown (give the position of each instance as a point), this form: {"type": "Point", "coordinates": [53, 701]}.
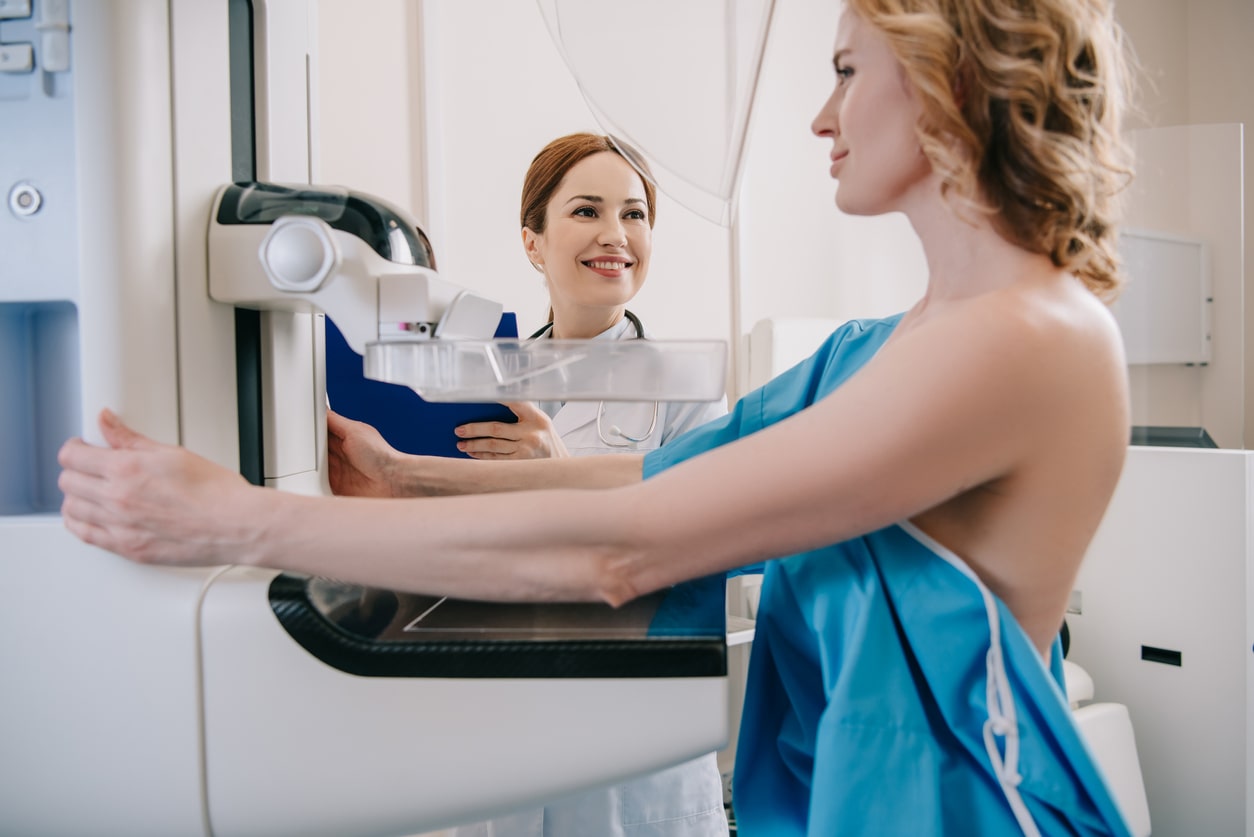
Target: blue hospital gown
{"type": "Point", "coordinates": [889, 692]}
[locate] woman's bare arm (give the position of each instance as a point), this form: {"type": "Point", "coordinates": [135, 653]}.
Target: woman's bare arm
{"type": "Point", "coordinates": [953, 405]}
{"type": "Point", "coordinates": [971, 399]}
{"type": "Point", "coordinates": [162, 504]}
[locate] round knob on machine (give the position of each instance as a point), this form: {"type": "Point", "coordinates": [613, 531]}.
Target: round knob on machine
{"type": "Point", "coordinates": [298, 253]}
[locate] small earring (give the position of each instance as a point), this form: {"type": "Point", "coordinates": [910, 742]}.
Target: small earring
{"type": "Point", "coordinates": [537, 267]}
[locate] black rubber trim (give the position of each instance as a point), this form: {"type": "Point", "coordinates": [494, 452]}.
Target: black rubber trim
{"type": "Point", "coordinates": [1161, 655]}
{"type": "Point", "coordinates": [579, 658]}
{"type": "Point", "coordinates": [244, 167]}
{"type": "Point", "coordinates": [375, 221]}
{"type": "Point", "coordinates": [1172, 437]}
{"type": "Point", "coordinates": [248, 395]}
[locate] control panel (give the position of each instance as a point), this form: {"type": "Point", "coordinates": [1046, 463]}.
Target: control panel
{"type": "Point", "coordinates": [37, 179]}
{"type": "Point", "coordinates": [39, 235]}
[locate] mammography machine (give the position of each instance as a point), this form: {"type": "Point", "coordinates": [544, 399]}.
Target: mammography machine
{"type": "Point", "coordinates": [150, 264]}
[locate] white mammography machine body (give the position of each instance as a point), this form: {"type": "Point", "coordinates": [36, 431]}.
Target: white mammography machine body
{"type": "Point", "coordinates": [225, 701]}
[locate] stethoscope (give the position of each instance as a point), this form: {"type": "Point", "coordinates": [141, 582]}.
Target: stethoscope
{"type": "Point", "coordinates": [614, 429]}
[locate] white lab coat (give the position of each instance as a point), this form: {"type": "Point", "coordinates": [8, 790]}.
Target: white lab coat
{"type": "Point", "coordinates": [681, 801]}
{"type": "Point", "coordinates": [576, 421]}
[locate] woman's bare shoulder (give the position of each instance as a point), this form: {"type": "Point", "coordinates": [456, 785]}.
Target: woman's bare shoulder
{"type": "Point", "coordinates": [1053, 330]}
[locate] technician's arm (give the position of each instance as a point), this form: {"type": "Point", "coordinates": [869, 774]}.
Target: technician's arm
{"type": "Point", "coordinates": [362, 464]}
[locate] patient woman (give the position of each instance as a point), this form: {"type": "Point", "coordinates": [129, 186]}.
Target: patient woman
{"type": "Point", "coordinates": [587, 225]}
{"type": "Point", "coordinates": [923, 489]}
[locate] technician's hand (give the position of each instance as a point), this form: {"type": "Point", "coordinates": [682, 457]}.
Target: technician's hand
{"type": "Point", "coordinates": [533, 437]}
{"type": "Point", "coordinates": [155, 503]}
{"type": "Point", "coordinates": [360, 463]}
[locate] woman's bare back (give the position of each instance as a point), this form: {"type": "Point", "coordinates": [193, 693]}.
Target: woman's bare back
{"type": "Point", "coordinates": [1026, 532]}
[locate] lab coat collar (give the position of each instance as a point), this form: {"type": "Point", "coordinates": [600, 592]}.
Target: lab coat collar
{"type": "Point", "coordinates": [574, 415]}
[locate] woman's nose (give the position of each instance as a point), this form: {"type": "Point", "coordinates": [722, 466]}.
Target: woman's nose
{"type": "Point", "coordinates": [825, 123]}
{"type": "Point", "coordinates": [612, 234]}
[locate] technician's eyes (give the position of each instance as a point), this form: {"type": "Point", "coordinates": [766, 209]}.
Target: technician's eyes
{"type": "Point", "coordinates": [634, 215]}
{"type": "Point", "coordinates": [585, 212]}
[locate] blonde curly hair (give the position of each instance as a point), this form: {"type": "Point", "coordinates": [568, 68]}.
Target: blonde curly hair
{"type": "Point", "coordinates": [1022, 104]}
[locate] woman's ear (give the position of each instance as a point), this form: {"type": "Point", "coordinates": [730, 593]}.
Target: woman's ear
{"type": "Point", "coordinates": [531, 246]}
{"type": "Point", "coordinates": [960, 87]}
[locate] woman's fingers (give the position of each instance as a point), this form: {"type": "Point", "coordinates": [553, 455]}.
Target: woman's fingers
{"type": "Point", "coordinates": [85, 511]}
{"type": "Point", "coordinates": [527, 411]}
{"type": "Point", "coordinates": [96, 525]}
{"type": "Point", "coordinates": [486, 455]}
{"type": "Point", "coordinates": [488, 445]}
{"type": "Point", "coordinates": [78, 483]}
{"type": "Point", "coordinates": [79, 528]}
{"type": "Point", "coordinates": [531, 420]}
{"type": "Point", "coordinates": [118, 434]}
{"type": "Point", "coordinates": [77, 455]}
{"type": "Point", "coordinates": [93, 523]}
{"type": "Point", "coordinates": [92, 460]}
{"type": "Point", "coordinates": [488, 429]}
{"type": "Point", "coordinates": [531, 437]}
{"type": "Point", "coordinates": [340, 426]}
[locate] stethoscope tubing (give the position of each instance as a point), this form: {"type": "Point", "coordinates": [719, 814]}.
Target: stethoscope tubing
{"type": "Point", "coordinates": [632, 318]}
{"type": "Point", "coordinates": [614, 429]}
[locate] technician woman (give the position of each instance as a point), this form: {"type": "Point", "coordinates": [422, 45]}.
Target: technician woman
{"type": "Point", "coordinates": [587, 225]}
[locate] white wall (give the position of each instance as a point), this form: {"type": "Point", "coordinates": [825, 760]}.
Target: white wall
{"type": "Point", "coordinates": [1221, 64]}
{"type": "Point", "coordinates": [1194, 59]}
{"type": "Point", "coordinates": [1157, 32]}
{"type": "Point", "coordinates": [1186, 185]}
{"type": "Point", "coordinates": [800, 255]}
{"type": "Point", "coordinates": [367, 90]}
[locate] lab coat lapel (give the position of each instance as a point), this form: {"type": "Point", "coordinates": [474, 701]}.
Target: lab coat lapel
{"type": "Point", "coordinates": [582, 415]}
{"type": "Point", "coordinates": [575, 415]}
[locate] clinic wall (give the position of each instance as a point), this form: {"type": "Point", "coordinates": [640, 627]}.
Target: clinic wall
{"type": "Point", "coordinates": [1193, 57]}
{"type": "Point", "coordinates": [799, 255]}
{"type": "Point", "coordinates": [1221, 63]}
{"type": "Point", "coordinates": [1185, 186]}
{"type": "Point", "coordinates": [365, 100]}
{"type": "Point", "coordinates": [1154, 30]}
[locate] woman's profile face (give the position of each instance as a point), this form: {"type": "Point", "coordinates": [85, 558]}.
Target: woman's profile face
{"type": "Point", "coordinates": [870, 118]}
{"type": "Point", "coordinates": [597, 241]}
